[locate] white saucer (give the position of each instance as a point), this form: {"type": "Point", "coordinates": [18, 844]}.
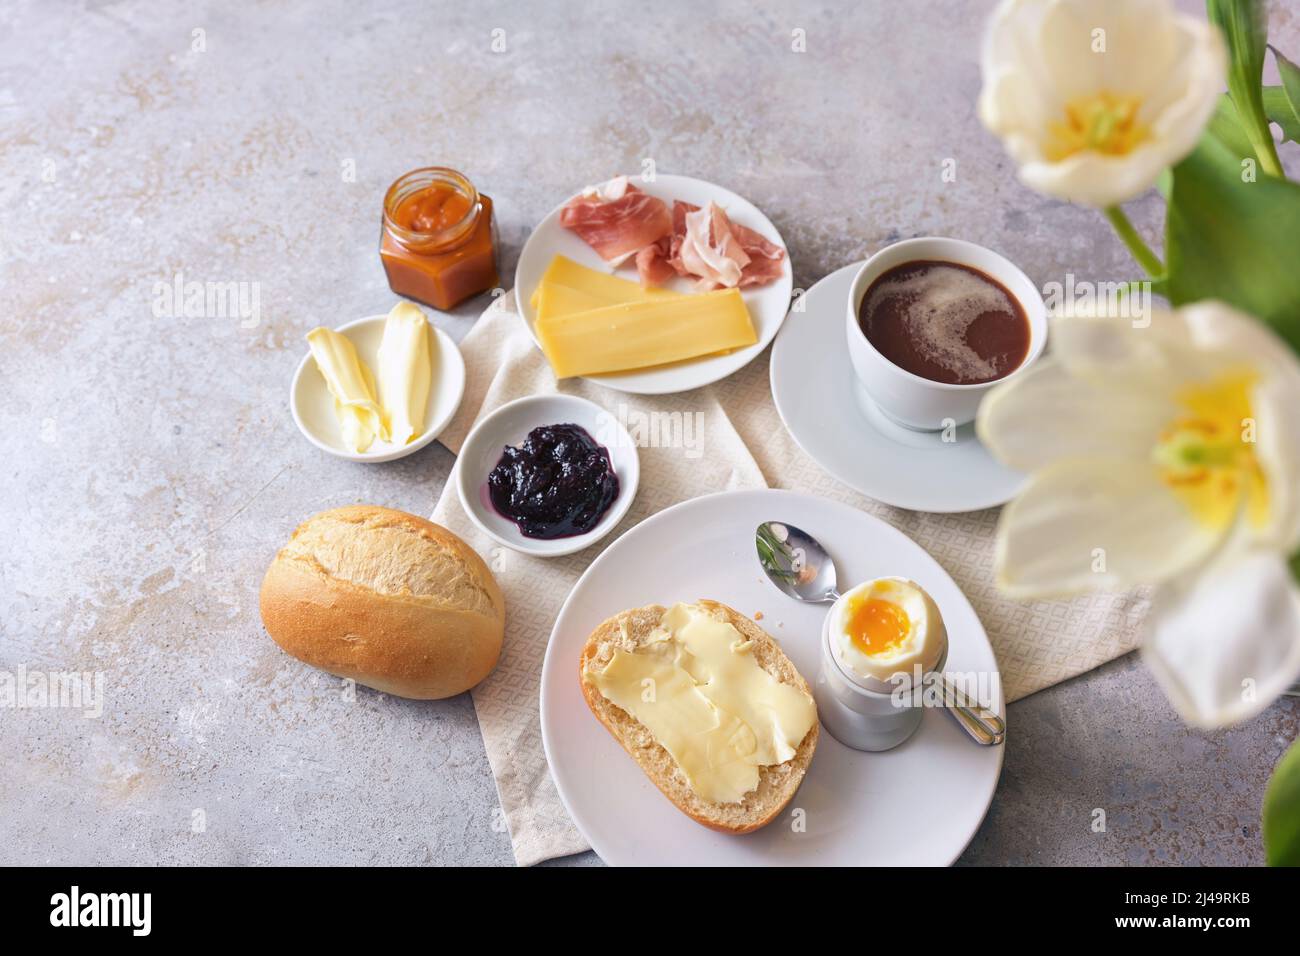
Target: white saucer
{"type": "Point", "coordinates": [313, 406]}
{"type": "Point", "coordinates": [510, 425]}
{"type": "Point", "coordinates": [916, 805]}
{"type": "Point", "coordinates": [832, 418]}
{"type": "Point", "coordinates": [767, 303]}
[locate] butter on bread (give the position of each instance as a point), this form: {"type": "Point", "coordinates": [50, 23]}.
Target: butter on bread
{"type": "Point", "coordinates": [777, 783]}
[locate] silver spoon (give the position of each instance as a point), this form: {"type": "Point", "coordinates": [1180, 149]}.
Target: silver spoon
{"type": "Point", "coordinates": [796, 563]}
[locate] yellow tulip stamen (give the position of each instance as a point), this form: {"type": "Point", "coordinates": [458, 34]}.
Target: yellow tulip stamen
{"type": "Point", "coordinates": [1207, 457]}
{"type": "Point", "coordinates": [1100, 122]}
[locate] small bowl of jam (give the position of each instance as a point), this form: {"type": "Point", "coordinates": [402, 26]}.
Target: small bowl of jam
{"type": "Point", "coordinates": [548, 475]}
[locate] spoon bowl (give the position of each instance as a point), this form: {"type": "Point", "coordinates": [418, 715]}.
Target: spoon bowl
{"type": "Point", "coordinates": [796, 563]}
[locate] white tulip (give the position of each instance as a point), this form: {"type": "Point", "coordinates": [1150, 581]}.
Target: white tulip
{"type": "Point", "coordinates": [1093, 98]}
{"type": "Point", "coordinates": [1166, 454]}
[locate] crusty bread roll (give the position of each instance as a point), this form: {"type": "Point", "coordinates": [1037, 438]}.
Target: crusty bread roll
{"type": "Point", "coordinates": [777, 784]}
{"type": "Point", "coordinates": [393, 601]}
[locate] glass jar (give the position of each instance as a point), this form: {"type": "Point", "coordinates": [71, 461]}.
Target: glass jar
{"type": "Point", "coordinates": [439, 238]}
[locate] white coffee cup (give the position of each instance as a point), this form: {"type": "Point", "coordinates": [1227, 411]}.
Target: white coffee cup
{"type": "Point", "coordinates": [911, 400]}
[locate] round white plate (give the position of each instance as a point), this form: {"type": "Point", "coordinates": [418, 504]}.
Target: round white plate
{"type": "Point", "coordinates": [767, 303]}
{"type": "Point", "coordinates": [917, 804]}
{"type": "Point", "coordinates": [510, 425]}
{"type": "Point", "coordinates": [313, 406]}
{"type": "Point", "coordinates": [831, 417]}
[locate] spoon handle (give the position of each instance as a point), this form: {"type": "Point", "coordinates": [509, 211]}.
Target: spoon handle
{"type": "Point", "coordinates": [984, 726]}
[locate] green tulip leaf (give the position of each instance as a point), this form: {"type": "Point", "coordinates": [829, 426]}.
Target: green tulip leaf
{"type": "Point", "coordinates": [1225, 125]}
{"type": "Point", "coordinates": [1232, 236]}
{"type": "Point", "coordinates": [1279, 110]}
{"type": "Point", "coordinates": [1290, 74]}
{"type": "Point", "coordinates": [1245, 27]}
{"type": "Point", "coordinates": [1281, 815]}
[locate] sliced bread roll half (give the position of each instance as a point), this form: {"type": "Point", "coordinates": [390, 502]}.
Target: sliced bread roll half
{"type": "Point", "coordinates": [777, 783]}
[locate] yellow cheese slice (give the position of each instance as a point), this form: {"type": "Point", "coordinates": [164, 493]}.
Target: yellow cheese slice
{"type": "Point", "coordinates": [556, 301]}
{"type": "Point", "coordinates": [631, 335]}
{"type": "Point", "coordinates": [610, 289]}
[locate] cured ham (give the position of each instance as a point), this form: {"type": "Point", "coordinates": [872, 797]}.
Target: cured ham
{"type": "Point", "coordinates": [707, 246]}
{"type": "Point", "coordinates": [653, 265]}
{"type": "Point", "coordinates": [765, 257]}
{"type": "Point", "coordinates": [620, 221]}
{"type": "Point", "coordinates": [617, 221]}
{"type": "Point", "coordinates": [710, 250]}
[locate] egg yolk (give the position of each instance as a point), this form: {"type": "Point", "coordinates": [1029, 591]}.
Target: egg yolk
{"type": "Point", "coordinates": [878, 627]}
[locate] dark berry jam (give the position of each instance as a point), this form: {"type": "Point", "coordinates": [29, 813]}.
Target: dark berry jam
{"type": "Point", "coordinates": [556, 484]}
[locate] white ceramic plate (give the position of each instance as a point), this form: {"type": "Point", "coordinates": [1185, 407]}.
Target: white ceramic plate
{"type": "Point", "coordinates": [917, 804]}
{"type": "Point", "coordinates": [313, 406]}
{"type": "Point", "coordinates": [767, 303]}
{"type": "Point", "coordinates": [833, 419]}
{"type": "Point", "coordinates": [510, 425]}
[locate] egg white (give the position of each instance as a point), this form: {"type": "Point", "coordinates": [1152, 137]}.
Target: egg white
{"type": "Point", "coordinates": [923, 645]}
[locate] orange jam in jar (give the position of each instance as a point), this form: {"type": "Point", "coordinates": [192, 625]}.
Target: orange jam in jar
{"type": "Point", "coordinates": [439, 238]}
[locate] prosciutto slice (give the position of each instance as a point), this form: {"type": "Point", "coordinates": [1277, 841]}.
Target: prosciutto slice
{"type": "Point", "coordinates": [710, 250]}
{"type": "Point", "coordinates": [653, 263]}
{"type": "Point", "coordinates": [765, 257]}
{"type": "Point", "coordinates": [617, 221]}
{"type": "Point", "coordinates": [707, 246]}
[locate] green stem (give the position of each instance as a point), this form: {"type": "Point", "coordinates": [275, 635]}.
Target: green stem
{"type": "Point", "coordinates": [1147, 259]}
{"type": "Point", "coordinates": [1265, 149]}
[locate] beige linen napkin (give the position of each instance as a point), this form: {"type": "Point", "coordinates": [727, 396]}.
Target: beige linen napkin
{"type": "Point", "coordinates": [742, 444]}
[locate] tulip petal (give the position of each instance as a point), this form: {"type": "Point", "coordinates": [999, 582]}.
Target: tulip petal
{"type": "Point", "coordinates": [1016, 100]}
{"type": "Point", "coordinates": [1234, 337]}
{"type": "Point", "coordinates": [1044, 414]}
{"type": "Point", "coordinates": [1278, 451]}
{"type": "Point", "coordinates": [1040, 57]}
{"type": "Point", "coordinates": [1218, 327]}
{"type": "Point", "coordinates": [1068, 66]}
{"type": "Point", "coordinates": [1099, 342]}
{"type": "Point", "coordinates": [1225, 643]}
{"type": "Point", "coordinates": [1098, 179]}
{"type": "Point", "coordinates": [1158, 352]}
{"type": "Point", "coordinates": [1097, 524]}
{"type": "Point", "coordinates": [1144, 44]}
{"type": "Point", "coordinates": [1196, 75]}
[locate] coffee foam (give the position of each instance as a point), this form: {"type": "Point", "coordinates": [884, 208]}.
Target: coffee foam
{"type": "Point", "coordinates": [940, 304]}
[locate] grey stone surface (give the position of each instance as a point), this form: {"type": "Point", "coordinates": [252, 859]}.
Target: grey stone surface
{"type": "Point", "coordinates": [151, 467]}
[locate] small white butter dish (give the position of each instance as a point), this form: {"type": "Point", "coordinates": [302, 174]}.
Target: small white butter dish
{"type": "Point", "coordinates": [313, 405]}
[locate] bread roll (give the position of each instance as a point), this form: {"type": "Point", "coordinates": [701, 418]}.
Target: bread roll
{"type": "Point", "coordinates": [388, 599]}
{"type": "Point", "coordinates": [629, 630]}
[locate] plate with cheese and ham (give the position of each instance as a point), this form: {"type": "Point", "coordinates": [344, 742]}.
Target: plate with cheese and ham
{"type": "Point", "coordinates": [653, 287]}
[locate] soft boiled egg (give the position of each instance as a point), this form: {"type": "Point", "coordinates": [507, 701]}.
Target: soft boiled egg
{"type": "Point", "coordinates": [886, 626]}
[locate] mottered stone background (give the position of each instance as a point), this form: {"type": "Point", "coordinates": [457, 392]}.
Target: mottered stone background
{"type": "Point", "coordinates": [151, 468]}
